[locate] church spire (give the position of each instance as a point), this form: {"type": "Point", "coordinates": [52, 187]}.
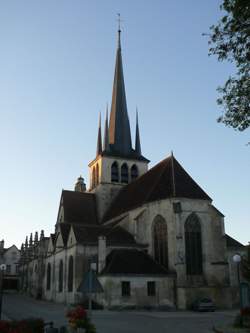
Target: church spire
{"type": "Point", "coordinates": [99, 138]}
{"type": "Point", "coordinates": [137, 137]}
{"type": "Point", "coordinates": [119, 127]}
{"type": "Point", "coordinates": [106, 133]}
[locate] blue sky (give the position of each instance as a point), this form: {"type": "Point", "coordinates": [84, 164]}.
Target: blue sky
{"type": "Point", "coordinates": [56, 73]}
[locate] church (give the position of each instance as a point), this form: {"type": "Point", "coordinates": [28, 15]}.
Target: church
{"type": "Point", "coordinates": [153, 236]}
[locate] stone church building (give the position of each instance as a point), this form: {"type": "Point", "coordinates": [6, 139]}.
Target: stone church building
{"type": "Point", "coordinates": [154, 235]}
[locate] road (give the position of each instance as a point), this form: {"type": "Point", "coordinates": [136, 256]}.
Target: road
{"type": "Point", "coordinates": [19, 306]}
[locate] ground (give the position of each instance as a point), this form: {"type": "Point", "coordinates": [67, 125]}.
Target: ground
{"type": "Point", "coordinates": [19, 306]}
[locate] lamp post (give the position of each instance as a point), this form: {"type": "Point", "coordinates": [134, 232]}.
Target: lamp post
{"type": "Point", "coordinates": [2, 269]}
{"type": "Point", "coordinates": [237, 260]}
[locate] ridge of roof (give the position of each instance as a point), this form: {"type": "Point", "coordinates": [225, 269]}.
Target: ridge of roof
{"type": "Point", "coordinates": [132, 261]}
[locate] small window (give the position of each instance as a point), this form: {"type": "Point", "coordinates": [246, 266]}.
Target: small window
{"type": "Point", "coordinates": [8, 269]}
{"type": "Point", "coordinates": [124, 173]}
{"type": "Point", "coordinates": [125, 288]}
{"type": "Point", "coordinates": [114, 172]}
{"type": "Point", "coordinates": [48, 276]}
{"type": "Point", "coordinates": [151, 288]}
{"type": "Point", "coordinates": [60, 277]}
{"type": "Point", "coordinates": [17, 269]}
{"type": "Point", "coordinates": [134, 172]}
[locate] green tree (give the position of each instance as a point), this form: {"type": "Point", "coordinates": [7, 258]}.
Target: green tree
{"type": "Point", "coordinates": [230, 40]}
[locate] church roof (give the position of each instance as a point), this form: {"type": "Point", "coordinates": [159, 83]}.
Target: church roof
{"type": "Point", "coordinates": [119, 127]}
{"type": "Point", "coordinates": [114, 236]}
{"type": "Point", "coordinates": [132, 261]}
{"type": "Point", "coordinates": [233, 243]}
{"type": "Point", "coordinates": [79, 207]}
{"type": "Point", "coordinates": [167, 179]}
{"type": "Point", "coordinates": [65, 229]}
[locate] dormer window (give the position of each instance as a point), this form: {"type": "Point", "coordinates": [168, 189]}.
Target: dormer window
{"type": "Point", "coordinates": [124, 173]}
{"type": "Point", "coordinates": [114, 172]}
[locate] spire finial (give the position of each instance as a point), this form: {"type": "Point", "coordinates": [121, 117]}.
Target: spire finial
{"type": "Point", "coordinates": [99, 138]}
{"type": "Point", "coordinates": [137, 136]}
{"type": "Point", "coordinates": [119, 30]}
{"type": "Point", "coordinates": [106, 132]}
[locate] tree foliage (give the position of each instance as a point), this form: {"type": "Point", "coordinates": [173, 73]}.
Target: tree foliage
{"type": "Point", "coordinates": [230, 40]}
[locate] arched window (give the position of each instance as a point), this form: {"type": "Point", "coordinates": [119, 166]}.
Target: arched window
{"type": "Point", "coordinates": [134, 172]}
{"type": "Point", "coordinates": [160, 237]}
{"type": "Point", "coordinates": [193, 245]}
{"type": "Point", "coordinates": [48, 276]}
{"type": "Point", "coordinates": [70, 274]}
{"type": "Point", "coordinates": [60, 277]}
{"type": "Point", "coordinates": [93, 177]}
{"type": "Point", "coordinates": [114, 172]}
{"type": "Point", "coordinates": [124, 173]}
{"type": "Point", "coordinates": [97, 174]}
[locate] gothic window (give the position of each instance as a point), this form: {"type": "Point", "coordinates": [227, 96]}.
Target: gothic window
{"type": "Point", "coordinates": [70, 274]}
{"type": "Point", "coordinates": [193, 245]}
{"type": "Point", "coordinates": [160, 237]}
{"type": "Point", "coordinates": [60, 277]}
{"type": "Point", "coordinates": [48, 276]}
{"type": "Point", "coordinates": [93, 178]}
{"type": "Point", "coordinates": [114, 172]}
{"type": "Point", "coordinates": [134, 172]}
{"type": "Point", "coordinates": [97, 174]}
{"type": "Point", "coordinates": [124, 173]}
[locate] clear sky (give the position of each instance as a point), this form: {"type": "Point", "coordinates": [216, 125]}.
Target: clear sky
{"type": "Point", "coordinates": [56, 72]}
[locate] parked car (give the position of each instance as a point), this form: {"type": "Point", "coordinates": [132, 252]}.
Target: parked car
{"type": "Point", "coordinates": [203, 304]}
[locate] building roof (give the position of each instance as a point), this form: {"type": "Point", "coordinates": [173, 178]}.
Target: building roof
{"type": "Point", "coordinates": [65, 229]}
{"type": "Point", "coordinates": [132, 261]}
{"type": "Point", "coordinates": [233, 243]}
{"type": "Point", "coordinates": [79, 207]}
{"type": "Point", "coordinates": [167, 179]}
{"type": "Point", "coordinates": [114, 236]}
{"type": "Point", "coordinates": [119, 127]}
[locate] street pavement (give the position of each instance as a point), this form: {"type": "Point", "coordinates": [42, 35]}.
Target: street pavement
{"type": "Point", "coordinates": [18, 306]}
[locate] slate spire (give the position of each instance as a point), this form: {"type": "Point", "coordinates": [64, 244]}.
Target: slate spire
{"type": "Point", "coordinates": [99, 138]}
{"type": "Point", "coordinates": [106, 133]}
{"type": "Point", "coordinates": [137, 137]}
{"type": "Point", "coordinates": [119, 128]}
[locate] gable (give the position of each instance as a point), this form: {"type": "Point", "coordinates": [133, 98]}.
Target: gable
{"type": "Point", "coordinates": [167, 179]}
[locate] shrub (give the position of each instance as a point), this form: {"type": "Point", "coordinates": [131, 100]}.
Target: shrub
{"type": "Point", "coordinates": [22, 326]}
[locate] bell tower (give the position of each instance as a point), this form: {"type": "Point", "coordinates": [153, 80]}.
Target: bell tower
{"type": "Point", "coordinates": [116, 163]}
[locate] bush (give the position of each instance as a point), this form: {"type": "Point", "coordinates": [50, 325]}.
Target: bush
{"type": "Point", "coordinates": [22, 326]}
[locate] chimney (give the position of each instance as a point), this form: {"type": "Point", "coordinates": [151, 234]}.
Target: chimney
{"type": "Point", "coordinates": [101, 253]}
{"type": "Point", "coordinates": [1, 246]}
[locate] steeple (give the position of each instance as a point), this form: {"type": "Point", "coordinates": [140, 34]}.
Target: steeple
{"type": "Point", "coordinates": [99, 138]}
{"type": "Point", "coordinates": [119, 128]}
{"type": "Point", "coordinates": [137, 137]}
{"type": "Point", "coordinates": [106, 133]}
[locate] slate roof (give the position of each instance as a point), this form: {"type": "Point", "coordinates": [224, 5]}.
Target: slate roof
{"type": "Point", "coordinates": [233, 243]}
{"type": "Point", "coordinates": [79, 207]}
{"type": "Point", "coordinates": [114, 236]}
{"type": "Point", "coordinates": [165, 180]}
{"type": "Point", "coordinates": [132, 261]}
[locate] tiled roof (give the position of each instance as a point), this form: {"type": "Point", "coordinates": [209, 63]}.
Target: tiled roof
{"type": "Point", "coordinates": [233, 243]}
{"type": "Point", "coordinates": [165, 180]}
{"type": "Point", "coordinates": [132, 261]}
{"type": "Point", "coordinates": [114, 236]}
{"type": "Point", "coordinates": [79, 207]}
